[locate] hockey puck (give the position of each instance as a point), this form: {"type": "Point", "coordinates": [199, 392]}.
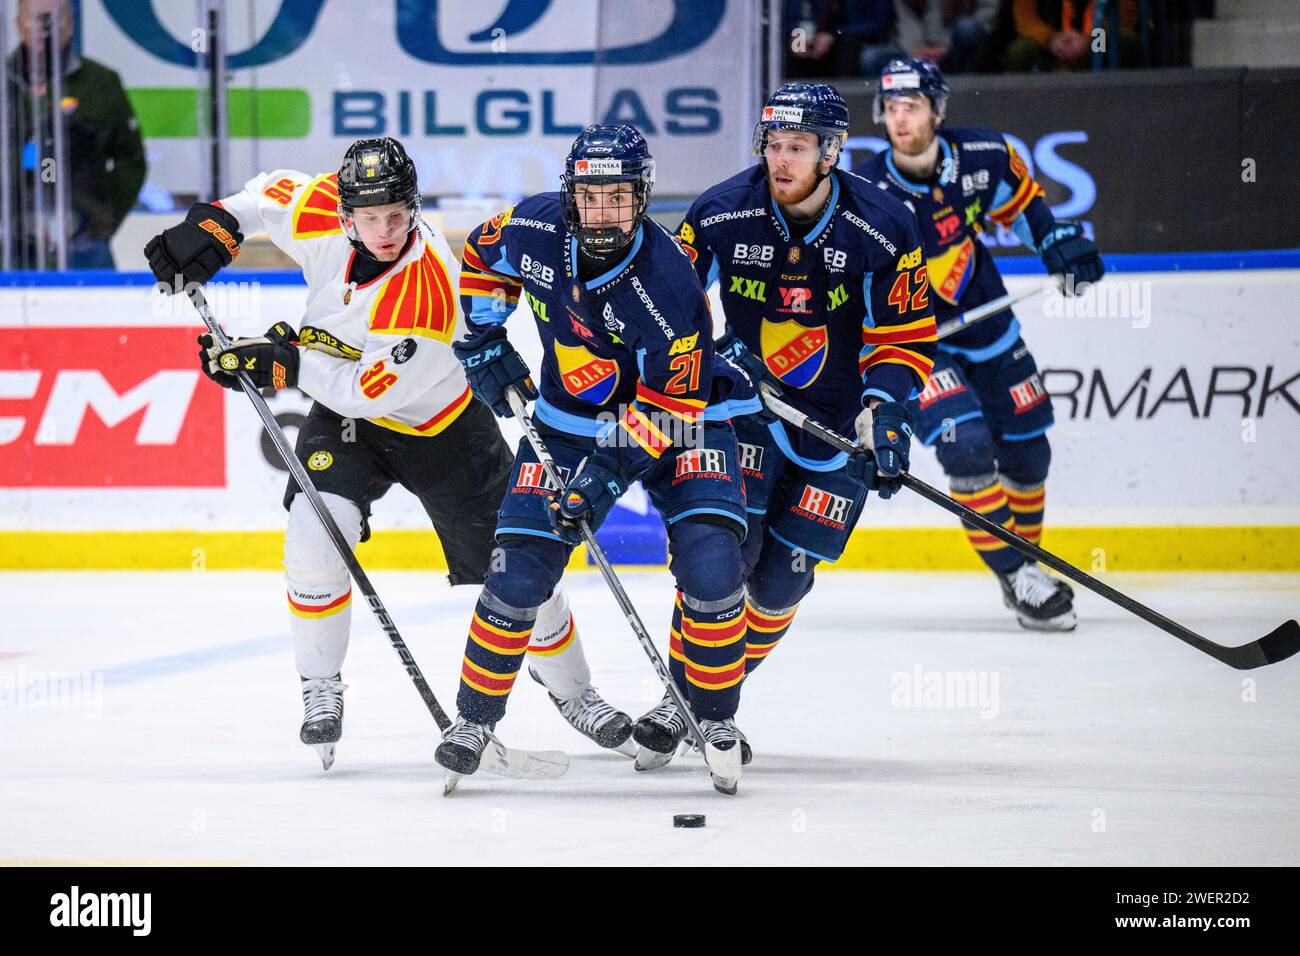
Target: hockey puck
{"type": "Point", "coordinates": [688, 820]}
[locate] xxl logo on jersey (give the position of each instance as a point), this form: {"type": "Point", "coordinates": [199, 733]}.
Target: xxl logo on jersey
{"type": "Point", "coordinates": [952, 269]}
{"type": "Point", "coordinates": [823, 507]}
{"type": "Point", "coordinates": [1028, 393]}
{"type": "Point", "coordinates": [749, 288]}
{"type": "Point", "coordinates": [942, 384]}
{"type": "Point", "coordinates": [701, 461]}
{"type": "Point", "coordinates": [584, 375]}
{"type": "Point", "coordinates": [794, 354]}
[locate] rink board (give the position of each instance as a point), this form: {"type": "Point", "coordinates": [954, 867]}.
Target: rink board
{"type": "Point", "coordinates": [1177, 397]}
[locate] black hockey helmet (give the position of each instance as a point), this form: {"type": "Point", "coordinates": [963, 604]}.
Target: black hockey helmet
{"type": "Point", "coordinates": [601, 155]}
{"type": "Point", "coordinates": [376, 172]}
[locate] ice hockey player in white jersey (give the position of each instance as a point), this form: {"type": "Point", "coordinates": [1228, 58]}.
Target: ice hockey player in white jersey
{"type": "Point", "coordinates": [373, 349]}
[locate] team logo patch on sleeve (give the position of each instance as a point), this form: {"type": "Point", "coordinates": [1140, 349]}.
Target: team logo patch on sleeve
{"type": "Point", "coordinates": [320, 460]}
{"type": "Point", "coordinates": [403, 351]}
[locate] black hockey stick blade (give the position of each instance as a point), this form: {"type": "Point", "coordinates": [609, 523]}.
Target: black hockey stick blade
{"type": "Point", "coordinates": [1277, 645]}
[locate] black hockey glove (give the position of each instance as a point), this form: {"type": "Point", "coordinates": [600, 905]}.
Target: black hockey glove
{"type": "Point", "coordinates": [737, 353]}
{"type": "Point", "coordinates": [1067, 251]}
{"type": "Point", "coordinates": [194, 250]}
{"type": "Point", "coordinates": [271, 360]}
{"type": "Point", "coordinates": [492, 365]}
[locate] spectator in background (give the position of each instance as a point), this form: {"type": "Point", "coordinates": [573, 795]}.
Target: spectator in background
{"type": "Point", "coordinates": [1057, 34]}
{"type": "Point", "coordinates": [865, 39]}
{"type": "Point", "coordinates": [104, 148]}
{"type": "Point", "coordinates": [809, 38]}
{"type": "Point", "coordinates": [955, 34]}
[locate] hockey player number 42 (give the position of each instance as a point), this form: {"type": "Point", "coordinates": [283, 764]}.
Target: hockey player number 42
{"type": "Point", "coordinates": [910, 287]}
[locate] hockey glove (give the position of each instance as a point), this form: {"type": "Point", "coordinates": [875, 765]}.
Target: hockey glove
{"type": "Point", "coordinates": [271, 360]}
{"type": "Point", "coordinates": [737, 353]}
{"type": "Point", "coordinates": [195, 250]}
{"type": "Point", "coordinates": [1067, 251]}
{"type": "Point", "coordinates": [492, 365]}
{"type": "Point", "coordinates": [887, 431]}
{"type": "Point", "coordinates": [588, 496]}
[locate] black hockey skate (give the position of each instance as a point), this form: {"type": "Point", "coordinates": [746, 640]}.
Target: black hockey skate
{"type": "Point", "coordinates": [589, 714]}
{"type": "Point", "coordinates": [659, 733]}
{"type": "Point", "coordinates": [1040, 602]}
{"type": "Point", "coordinates": [461, 750]}
{"type": "Point", "coordinates": [322, 721]}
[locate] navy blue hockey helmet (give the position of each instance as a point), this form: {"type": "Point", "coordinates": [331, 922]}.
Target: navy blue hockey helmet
{"type": "Point", "coordinates": [910, 78]}
{"type": "Point", "coordinates": [811, 107]}
{"type": "Point", "coordinates": [603, 155]}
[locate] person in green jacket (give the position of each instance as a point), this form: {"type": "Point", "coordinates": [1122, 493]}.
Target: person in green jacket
{"type": "Point", "coordinates": [104, 149]}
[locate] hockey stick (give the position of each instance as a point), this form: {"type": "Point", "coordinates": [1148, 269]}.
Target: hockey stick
{"type": "Point", "coordinates": [981, 312]}
{"type": "Point", "coordinates": [499, 759]}
{"type": "Point", "coordinates": [1277, 645]}
{"type": "Point", "coordinates": [723, 763]}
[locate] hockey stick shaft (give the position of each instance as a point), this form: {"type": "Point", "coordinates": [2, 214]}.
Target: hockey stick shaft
{"type": "Point", "coordinates": [981, 312]}
{"type": "Point", "coordinates": [598, 555]}
{"type": "Point", "coordinates": [1278, 645]}
{"type": "Point", "coordinates": [331, 526]}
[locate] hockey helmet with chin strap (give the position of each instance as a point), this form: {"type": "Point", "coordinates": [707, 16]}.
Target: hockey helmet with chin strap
{"type": "Point", "coordinates": [601, 155]}
{"type": "Point", "coordinates": [376, 172]}
{"type": "Point", "coordinates": [911, 78]}
{"type": "Point", "coordinates": [810, 107]}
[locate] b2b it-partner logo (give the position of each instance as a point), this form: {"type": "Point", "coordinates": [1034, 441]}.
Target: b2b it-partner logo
{"type": "Point", "coordinates": [418, 34]}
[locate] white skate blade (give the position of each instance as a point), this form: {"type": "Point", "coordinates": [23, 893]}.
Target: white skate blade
{"type": "Point", "coordinates": [1062, 622]}
{"type": "Point", "coordinates": [724, 785]}
{"type": "Point", "coordinates": [449, 782]}
{"type": "Point", "coordinates": [647, 759]}
{"type": "Point", "coordinates": [724, 765]}
{"type": "Point", "coordinates": [524, 764]}
{"type": "Point", "coordinates": [326, 754]}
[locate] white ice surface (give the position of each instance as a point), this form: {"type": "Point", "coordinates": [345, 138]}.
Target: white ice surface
{"type": "Point", "coordinates": [1113, 745]}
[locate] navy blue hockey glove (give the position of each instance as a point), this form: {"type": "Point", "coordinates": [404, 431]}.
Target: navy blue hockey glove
{"type": "Point", "coordinates": [862, 467]}
{"type": "Point", "coordinates": [492, 365]}
{"type": "Point", "coordinates": [588, 496]}
{"type": "Point", "coordinates": [887, 431]}
{"type": "Point", "coordinates": [1067, 251]}
{"type": "Point", "coordinates": [737, 353]}
{"type": "Point", "coordinates": [271, 360]}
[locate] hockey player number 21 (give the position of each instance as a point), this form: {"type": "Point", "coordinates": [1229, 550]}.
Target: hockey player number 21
{"type": "Point", "coordinates": [684, 365]}
{"type": "Point", "coordinates": [375, 381]}
{"type": "Point", "coordinates": [903, 290]}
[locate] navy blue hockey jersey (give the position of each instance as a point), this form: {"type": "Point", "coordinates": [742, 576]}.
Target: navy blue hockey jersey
{"type": "Point", "coordinates": [630, 349]}
{"type": "Point", "coordinates": [979, 175]}
{"type": "Point", "coordinates": [839, 311]}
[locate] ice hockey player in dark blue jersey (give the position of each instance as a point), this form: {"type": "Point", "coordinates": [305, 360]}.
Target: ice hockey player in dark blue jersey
{"type": "Point", "coordinates": [985, 410]}
{"type": "Point", "coordinates": [630, 389]}
{"type": "Point", "coordinates": [824, 285]}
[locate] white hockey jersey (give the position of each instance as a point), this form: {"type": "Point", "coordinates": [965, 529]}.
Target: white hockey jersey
{"type": "Point", "coordinates": [380, 350]}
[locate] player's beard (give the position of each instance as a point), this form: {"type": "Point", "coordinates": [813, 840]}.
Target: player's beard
{"type": "Point", "coordinates": [917, 144]}
{"type": "Point", "coordinates": [796, 192]}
